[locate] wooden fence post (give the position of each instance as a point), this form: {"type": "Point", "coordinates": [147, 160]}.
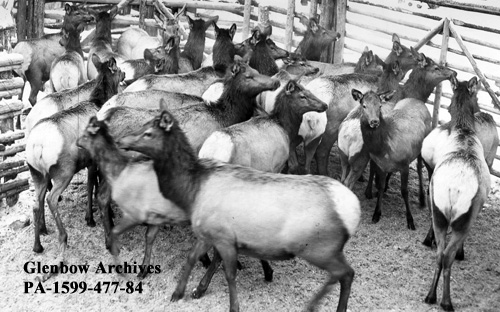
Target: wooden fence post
{"type": "Point", "coordinates": [21, 20]}
{"type": "Point", "coordinates": [35, 19]}
{"type": "Point", "coordinates": [263, 16]}
{"type": "Point", "coordinates": [326, 20]}
{"type": "Point", "coordinates": [340, 20]}
{"type": "Point", "coordinates": [290, 13]}
{"type": "Point", "coordinates": [142, 14]}
{"type": "Point", "coordinates": [442, 61]}
{"type": "Point", "coordinates": [247, 12]}
{"type": "Point", "coordinates": [313, 8]}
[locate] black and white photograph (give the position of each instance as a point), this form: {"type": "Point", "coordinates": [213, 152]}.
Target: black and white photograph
{"type": "Point", "coordinates": [250, 155]}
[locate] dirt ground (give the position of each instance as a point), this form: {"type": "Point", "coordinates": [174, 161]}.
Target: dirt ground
{"type": "Point", "coordinates": [393, 269]}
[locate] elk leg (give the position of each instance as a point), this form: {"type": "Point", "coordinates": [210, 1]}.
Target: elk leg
{"type": "Point", "coordinates": [198, 249]}
{"type": "Point", "coordinates": [380, 185]}
{"type": "Point", "coordinates": [345, 166]}
{"type": "Point", "coordinates": [441, 225]}
{"type": "Point", "coordinates": [202, 287]}
{"type": "Point", "coordinates": [368, 190]}
{"type": "Point", "coordinates": [430, 237]}
{"type": "Point", "coordinates": [310, 150]}
{"type": "Point", "coordinates": [91, 182]}
{"type": "Point", "coordinates": [104, 202]}
{"type": "Point", "coordinates": [404, 192]}
{"type": "Point", "coordinates": [268, 271]}
{"type": "Point", "coordinates": [229, 257]}
{"type": "Point", "coordinates": [357, 168]}
{"type": "Point", "coordinates": [151, 233]}
{"type": "Point", "coordinates": [41, 183]}
{"type": "Point", "coordinates": [421, 193]}
{"type": "Point", "coordinates": [323, 150]}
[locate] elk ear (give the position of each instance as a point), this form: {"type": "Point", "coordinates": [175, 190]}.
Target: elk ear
{"type": "Point", "coordinates": [112, 65]}
{"type": "Point", "coordinates": [472, 85]}
{"type": "Point", "coordinates": [422, 60]}
{"type": "Point", "coordinates": [96, 60]}
{"type": "Point", "coordinates": [454, 82]}
{"type": "Point", "coordinates": [313, 25]}
{"type": "Point", "coordinates": [357, 95]}
{"type": "Point", "coordinates": [235, 69]}
{"type": "Point", "coordinates": [290, 87]}
{"type": "Point", "coordinates": [304, 20]}
{"type": "Point", "coordinates": [113, 12]}
{"type": "Point", "coordinates": [396, 68]}
{"type": "Point", "coordinates": [387, 96]}
{"type": "Point", "coordinates": [415, 54]}
{"type": "Point", "coordinates": [395, 38]}
{"type": "Point", "coordinates": [169, 45]}
{"type": "Point", "coordinates": [232, 31]}
{"type": "Point", "coordinates": [166, 120]}
{"type": "Point", "coordinates": [68, 8]}
{"type": "Point", "coordinates": [255, 37]}
{"type": "Point", "coordinates": [93, 126]}
{"type": "Point", "coordinates": [397, 48]}
{"type": "Point", "coordinates": [369, 58]}
{"type": "Point", "coordinates": [366, 49]}
{"type": "Point", "coordinates": [216, 29]}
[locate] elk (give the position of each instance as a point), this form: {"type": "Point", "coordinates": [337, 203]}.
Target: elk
{"type": "Point", "coordinates": [459, 186]}
{"type": "Point", "coordinates": [316, 39]}
{"type": "Point", "coordinates": [288, 211]}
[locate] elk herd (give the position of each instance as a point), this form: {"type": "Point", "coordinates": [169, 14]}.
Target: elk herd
{"type": "Point", "coordinates": [173, 138]}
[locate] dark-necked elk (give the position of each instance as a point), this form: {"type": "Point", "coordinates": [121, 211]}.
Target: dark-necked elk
{"type": "Point", "coordinates": [432, 151]}
{"type": "Point", "coordinates": [262, 143]}
{"type": "Point", "coordinates": [40, 53]}
{"type": "Point", "coordinates": [160, 61]}
{"type": "Point", "coordinates": [53, 157]}
{"type": "Point", "coordinates": [459, 186]}
{"type": "Point", "coordinates": [394, 139]}
{"type": "Point", "coordinates": [134, 188]}
{"type": "Point", "coordinates": [316, 39]}
{"type": "Point", "coordinates": [192, 55]}
{"type": "Point", "coordinates": [265, 215]}
{"type": "Point", "coordinates": [336, 92]}
{"type": "Point", "coordinates": [353, 157]}
{"type": "Point", "coordinates": [101, 45]}
{"type": "Point", "coordinates": [68, 71]}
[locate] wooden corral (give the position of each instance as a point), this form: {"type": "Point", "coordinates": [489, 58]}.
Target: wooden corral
{"type": "Point", "coordinates": [10, 108]}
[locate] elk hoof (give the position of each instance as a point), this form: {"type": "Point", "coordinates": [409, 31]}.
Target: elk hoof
{"type": "Point", "coordinates": [447, 306]}
{"type": "Point", "coordinates": [197, 293]}
{"type": "Point", "coordinates": [142, 275]}
{"type": "Point", "coordinates": [38, 249]}
{"type": "Point", "coordinates": [176, 296]}
{"type": "Point", "coordinates": [430, 300]}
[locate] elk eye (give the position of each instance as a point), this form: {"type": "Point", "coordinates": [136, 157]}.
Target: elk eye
{"type": "Point", "coordinates": [364, 105]}
{"type": "Point", "coordinates": [147, 134]}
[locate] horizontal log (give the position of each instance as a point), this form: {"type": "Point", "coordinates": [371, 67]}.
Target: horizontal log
{"type": "Point", "coordinates": [386, 17]}
{"type": "Point", "coordinates": [437, 18]}
{"type": "Point", "coordinates": [10, 93]}
{"type": "Point", "coordinates": [17, 170]}
{"type": "Point", "coordinates": [13, 150]}
{"type": "Point", "coordinates": [15, 191]}
{"type": "Point", "coordinates": [11, 67]}
{"type": "Point", "coordinates": [12, 184]}
{"type": "Point", "coordinates": [9, 106]}
{"type": "Point", "coordinates": [12, 164]}
{"type": "Point", "coordinates": [11, 114]}
{"type": "Point", "coordinates": [471, 7]}
{"type": "Point", "coordinates": [10, 137]}
{"type": "Point", "coordinates": [11, 59]}
{"type": "Point", "coordinates": [9, 84]}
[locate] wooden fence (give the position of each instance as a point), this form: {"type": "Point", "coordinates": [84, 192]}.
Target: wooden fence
{"type": "Point", "coordinates": [370, 24]}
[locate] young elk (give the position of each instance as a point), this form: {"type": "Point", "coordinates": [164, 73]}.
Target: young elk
{"type": "Point", "coordinates": [459, 186]}
{"type": "Point", "coordinates": [134, 188]}
{"type": "Point", "coordinates": [265, 215]}
{"type": "Point", "coordinates": [40, 53]}
{"type": "Point", "coordinates": [67, 71]}
{"type": "Point", "coordinates": [102, 45]}
{"type": "Point", "coordinates": [192, 56]}
{"type": "Point", "coordinates": [432, 153]}
{"type": "Point", "coordinates": [53, 157]}
{"type": "Point", "coordinates": [316, 39]}
{"type": "Point", "coordinates": [353, 157]}
{"type": "Point", "coordinates": [262, 143]}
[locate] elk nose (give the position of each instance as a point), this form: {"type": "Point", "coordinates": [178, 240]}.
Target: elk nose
{"type": "Point", "coordinates": [374, 123]}
{"type": "Point", "coordinates": [324, 107]}
{"type": "Point", "coordinates": [315, 70]}
{"type": "Point", "coordinates": [276, 84]}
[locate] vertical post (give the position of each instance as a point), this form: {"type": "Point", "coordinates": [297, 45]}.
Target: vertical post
{"type": "Point", "coordinates": [36, 10]}
{"type": "Point", "coordinates": [313, 8]}
{"type": "Point", "coordinates": [142, 13]}
{"type": "Point", "coordinates": [442, 61]}
{"type": "Point", "coordinates": [21, 20]}
{"type": "Point", "coordinates": [263, 16]}
{"type": "Point", "coordinates": [327, 16]}
{"type": "Point", "coordinates": [339, 22]}
{"type": "Point", "coordinates": [290, 13]}
{"type": "Point", "coordinates": [247, 12]}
